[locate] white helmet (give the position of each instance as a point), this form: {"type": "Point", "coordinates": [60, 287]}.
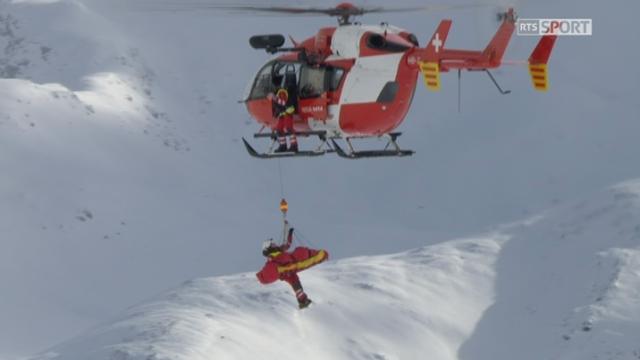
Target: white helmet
{"type": "Point", "coordinates": [268, 244]}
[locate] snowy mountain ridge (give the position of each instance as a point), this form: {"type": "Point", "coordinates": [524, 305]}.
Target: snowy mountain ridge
{"type": "Point", "coordinates": [563, 285]}
{"type": "Point", "coordinates": [364, 308]}
{"type": "Point", "coordinates": [42, 43]}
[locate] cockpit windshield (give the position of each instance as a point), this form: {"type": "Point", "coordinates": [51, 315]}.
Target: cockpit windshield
{"type": "Point", "coordinates": [306, 81]}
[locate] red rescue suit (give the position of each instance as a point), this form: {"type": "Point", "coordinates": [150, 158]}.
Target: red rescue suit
{"type": "Point", "coordinates": [285, 265]}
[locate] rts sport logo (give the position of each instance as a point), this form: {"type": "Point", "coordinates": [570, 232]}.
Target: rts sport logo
{"type": "Point", "coordinates": [564, 27]}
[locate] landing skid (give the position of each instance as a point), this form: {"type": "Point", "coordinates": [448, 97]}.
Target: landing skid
{"type": "Point", "coordinates": [276, 155]}
{"type": "Point", "coordinates": [392, 149]}
{"type": "Point", "coordinates": [395, 150]}
{"type": "Point", "coordinates": [320, 150]}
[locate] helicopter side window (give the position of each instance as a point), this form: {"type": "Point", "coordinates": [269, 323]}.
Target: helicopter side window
{"type": "Point", "coordinates": [312, 81]}
{"type": "Point", "coordinates": [263, 84]}
{"type": "Point", "coordinates": [275, 75]}
{"type": "Point", "coordinates": [334, 76]}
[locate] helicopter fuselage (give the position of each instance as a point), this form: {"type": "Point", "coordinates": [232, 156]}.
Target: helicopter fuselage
{"type": "Point", "coordinates": [353, 81]}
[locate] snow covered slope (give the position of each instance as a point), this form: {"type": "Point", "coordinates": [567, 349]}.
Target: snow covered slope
{"type": "Point", "coordinates": [567, 286]}
{"type": "Point", "coordinates": [84, 143]}
{"type": "Point", "coordinates": [564, 285]}
{"type": "Point", "coordinates": [424, 301]}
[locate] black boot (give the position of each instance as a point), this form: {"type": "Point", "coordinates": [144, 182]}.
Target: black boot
{"type": "Point", "coordinates": [304, 303]}
{"type": "Point", "coordinates": [293, 147]}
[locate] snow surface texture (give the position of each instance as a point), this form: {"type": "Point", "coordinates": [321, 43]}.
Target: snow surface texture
{"type": "Point", "coordinates": [123, 174]}
{"type": "Point", "coordinates": [384, 307]}
{"type": "Point", "coordinates": [564, 285]}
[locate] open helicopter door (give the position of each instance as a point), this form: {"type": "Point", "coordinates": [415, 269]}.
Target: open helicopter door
{"type": "Point", "coordinates": [310, 101]}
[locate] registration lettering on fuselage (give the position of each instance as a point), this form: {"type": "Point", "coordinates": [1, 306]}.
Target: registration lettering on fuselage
{"type": "Point", "coordinates": [313, 109]}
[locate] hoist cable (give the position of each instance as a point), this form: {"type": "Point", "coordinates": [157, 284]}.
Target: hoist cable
{"type": "Point", "coordinates": [281, 180]}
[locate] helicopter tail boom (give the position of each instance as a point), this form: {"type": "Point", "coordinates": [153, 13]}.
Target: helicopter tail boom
{"type": "Point", "coordinates": [494, 52]}
{"type": "Point", "coordinates": [490, 57]}
{"type": "Point", "coordinates": [435, 58]}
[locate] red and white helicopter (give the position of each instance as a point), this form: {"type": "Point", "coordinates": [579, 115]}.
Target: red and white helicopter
{"type": "Point", "coordinates": [358, 81]}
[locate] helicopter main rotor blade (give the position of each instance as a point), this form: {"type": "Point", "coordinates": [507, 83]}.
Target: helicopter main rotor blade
{"type": "Point", "coordinates": [192, 5]}
{"type": "Point", "coordinates": [430, 8]}
{"type": "Point", "coordinates": [206, 5]}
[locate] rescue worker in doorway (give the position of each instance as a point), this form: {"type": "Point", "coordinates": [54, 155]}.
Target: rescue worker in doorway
{"type": "Point", "coordinates": [284, 107]}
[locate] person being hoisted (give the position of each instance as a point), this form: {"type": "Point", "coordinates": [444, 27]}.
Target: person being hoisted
{"type": "Point", "coordinates": [284, 265]}
{"type": "Point", "coordinates": [284, 107]}
{"type": "Point", "coordinates": [278, 254]}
